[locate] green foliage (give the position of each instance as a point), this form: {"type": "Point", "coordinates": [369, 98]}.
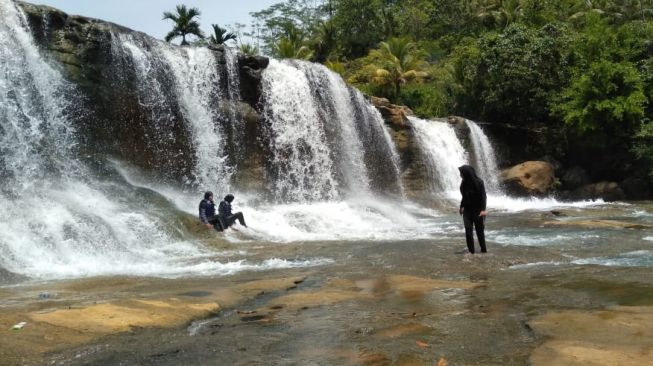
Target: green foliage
{"type": "Point", "coordinates": [221, 35]}
{"type": "Point", "coordinates": [395, 63]}
{"type": "Point", "coordinates": [435, 97]}
{"type": "Point", "coordinates": [292, 44]}
{"type": "Point", "coordinates": [185, 24]}
{"type": "Point", "coordinates": [609, 96]}
{"type": "Point", "coordinates": [249, 49]}
{"type": "Point", "coordinates": [362, 24]}
{"type": "Point", "coordinates": [512, 75]}
{"type": "Point", "coordinates": [272, 23]}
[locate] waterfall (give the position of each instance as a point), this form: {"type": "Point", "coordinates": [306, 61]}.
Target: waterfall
{"type": "Point", "coordinates": [198, 90]}
{"type": "Point", "coordinates": [484, 157]}
{"type": "Point", "coordinates": [332, 99]}
{"type": "Point", "coordinates": [234, 121]}
{"type": "Point", "coordinates": [381, 155]}
{"type": "Point", "coordinates": [301, 157]}
{"type": "Point", "coordinates": [443, 153]}
{"type": "Point", "coordinates": [57, 219]}
{"type": "Point", "coordinates": [326, 139]}
{"type": "Point", "coordinates": [35, 137]}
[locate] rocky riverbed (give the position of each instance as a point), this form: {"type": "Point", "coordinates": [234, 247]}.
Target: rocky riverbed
{"type": "Point", "coordinates": [567, 300]}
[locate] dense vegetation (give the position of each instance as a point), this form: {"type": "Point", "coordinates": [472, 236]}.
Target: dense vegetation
{"type": "Point", "coordinates": [581, 67]}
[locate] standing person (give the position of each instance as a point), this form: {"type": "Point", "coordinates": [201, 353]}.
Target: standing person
{"type": "Point", "coordinates": [207, 212]}
{"type": "Point", "coordinates": [227, 216]}
{"type": "Point", "coordinates": [472, 207]}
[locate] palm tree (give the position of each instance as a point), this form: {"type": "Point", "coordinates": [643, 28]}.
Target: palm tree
{"type": "Point", "coordinates": [292, 45]}
{"type": "Point", "coordinates": [184, 24]}
{"type": "Point", "coordinates": [397, 62]}
{"type": "Point", "coordinates": [249, 49]}
{"type": "Point", "coordinates": [220, 35]}
{"type": "Point", "coordinates": [500, 12]}
{"type": "Point", "coordinates": [287, 48]}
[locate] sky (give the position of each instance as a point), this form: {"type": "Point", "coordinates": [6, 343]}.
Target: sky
{"type": "Point", "coordinates": [145, 15]}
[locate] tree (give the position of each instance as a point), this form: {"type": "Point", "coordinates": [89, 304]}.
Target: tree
{"type": "Point", "coordinates": [271, 24]}
{"type": "Point", "coordinates": [221, 35]}
{"type": "Point", "coordinates": [184, 24]}
{"type": "Point", "coordinates": [292, 44]}
{"type": "Point", "coordinates": [512, 76]}
{"type": "Point", "coordinates": [608, 97]}
{"type": "Point", "coordinates": [361, 25]}
{"type": "Point", "coordinates": [287, 48]}
{"type": "Point", "coordinates": [397, 62]}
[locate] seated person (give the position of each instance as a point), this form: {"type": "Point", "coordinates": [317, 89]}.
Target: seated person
{"type": "Point", "coordinates": [227, 216]}
{"type": "Point", "coordinates": [207, 212]}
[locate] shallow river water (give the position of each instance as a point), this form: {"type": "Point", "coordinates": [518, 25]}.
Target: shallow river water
{"type": "Point", "coordinates": [560, 285]}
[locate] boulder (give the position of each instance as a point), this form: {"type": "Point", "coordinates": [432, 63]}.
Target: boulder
{"type": "Point", "coordinates": [574, 178]}
{"type": "Point", "coordinates": [608, 191]}
{"type": "Point", "coordinates": [529, 178]}
{"type": "Point", "coordinates": [395, 115]}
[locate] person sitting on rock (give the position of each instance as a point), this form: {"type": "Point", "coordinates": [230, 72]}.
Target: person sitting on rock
{"type": "Point", "coordinates": [228, 217]}
{"type": "Point", "coordinates": [207, 212]}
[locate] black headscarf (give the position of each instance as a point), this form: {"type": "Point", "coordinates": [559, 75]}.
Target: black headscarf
{"type": "Point", "coordinates": [470, 179]}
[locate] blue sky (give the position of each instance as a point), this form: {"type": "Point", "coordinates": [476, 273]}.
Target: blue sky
{"type": "Point", "coordinates": [145, 15]}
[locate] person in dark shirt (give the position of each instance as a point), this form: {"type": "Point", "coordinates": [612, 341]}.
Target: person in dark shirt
{"type": "Point", "coordinates": [228, 217]}
{"type": "Point", "coordinates": [207, 212]}
{"type": "Point", "coordinates": [472, 207]}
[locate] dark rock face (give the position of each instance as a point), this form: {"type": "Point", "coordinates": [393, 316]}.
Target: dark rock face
{"type": "Point", "coordinates": [574, 177]}
{"type": "Point", "coordinates": [251, 68]}
{"type": "Point", "coordinates": [608, 191]}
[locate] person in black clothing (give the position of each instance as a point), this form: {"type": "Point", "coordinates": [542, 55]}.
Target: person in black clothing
{"type": "Point", "coordinates": [207, 212]}
{"type": "Point", "coordinates": [472, 207]}
{"type": "Point", "coordinates": [225, 212]}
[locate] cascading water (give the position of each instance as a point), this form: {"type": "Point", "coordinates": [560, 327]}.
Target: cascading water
{"type": "Point", "coordinates": [325, 137]}
{"type": "Point", "coordinates": [197, 82]}
{"type": "Point", "coordinates": [332, 100]}
{"type": "Point", "coordinates": [234, 124]}
{"type": "Point", "coordinates": [443, 153]}
{"type": "Point", "coordinates": [484, 157]}
{"type": "Point", "coordinates": [301, 157]}
{"type": "Point", "coordinates": [32, 105]}
{"type": "Point", "coordinates": [58, 220]}
{"type": "Point", "coordinates": [381, 154]}
{"type": "Point", "coordinates": [55, 221]}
